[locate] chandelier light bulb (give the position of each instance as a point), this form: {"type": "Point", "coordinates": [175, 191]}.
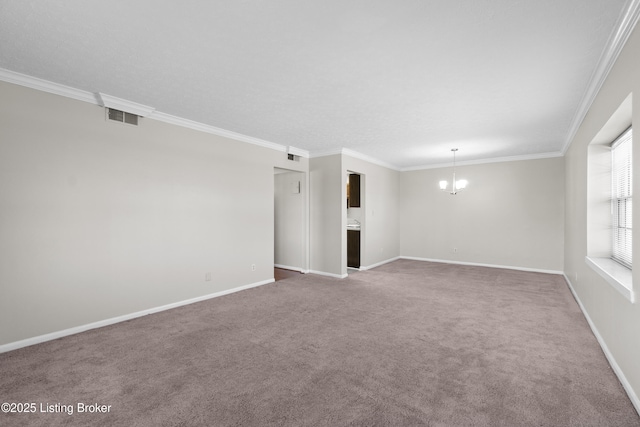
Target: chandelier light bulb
{"type": "Point", "coordinates": [456, 185]}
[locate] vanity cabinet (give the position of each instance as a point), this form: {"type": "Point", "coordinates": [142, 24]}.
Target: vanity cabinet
{"type": "Point", "coordinates": [353, 248]}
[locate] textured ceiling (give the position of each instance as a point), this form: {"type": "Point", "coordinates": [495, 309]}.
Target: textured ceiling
{"type": "Point", "coordinates": [401, 81]}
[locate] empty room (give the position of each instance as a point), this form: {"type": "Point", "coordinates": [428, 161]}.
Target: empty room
{"type": "Point", "coordinates": [319, 213]}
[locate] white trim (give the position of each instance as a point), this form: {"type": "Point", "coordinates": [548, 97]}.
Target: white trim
{"type": "Point", "coordinates": [288, 267]}
{"type": "Point", "coordinates": [355, 154]}
{"type": "Point", "coordinates": [508, 267]}
{"type": "Point", "coordinates": [179, 121]}
{"type": "Point", "coordinates": [612, 361]}
{"type": "Point", "coordinates": [483, 161]}
{"type": "Point", "coordinates": [617, 275]}
{"type": "Point", "coordinates": [623, 29]}
{"type": "Point", "coordinates": [76, 330]}
{"type": "Point", "coordinates": [325, 153]}
{"type": "Point", "coordinates": [297, 152]}
{"type": "Point", "coordinates": [47, 86]}
{"type": "Point", "coordinates": [323, 273]}
{"type": "Point", "coordinates": [378, 264]}
{"type": "Point", "coordinates": [91, 98]}
{"type": "Point", "coordinates": [625, 26]}
{"type": "Point", "coordinates": [109, 101]}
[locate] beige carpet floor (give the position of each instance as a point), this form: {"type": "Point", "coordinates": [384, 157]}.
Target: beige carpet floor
{"type": "Point", "coordinates": [407, 344]}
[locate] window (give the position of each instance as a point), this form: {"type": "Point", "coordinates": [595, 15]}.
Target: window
{"type": "Point", "coordinates": [609, 201]}
{"type": "Point", "coordinates": [621, 198]}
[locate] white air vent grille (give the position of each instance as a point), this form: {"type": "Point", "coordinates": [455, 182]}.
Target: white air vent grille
{"type": "Point", "coordinates": [122, 116]}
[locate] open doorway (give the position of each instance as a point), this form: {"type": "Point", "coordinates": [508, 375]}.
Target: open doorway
{"type": "Point", "coordinates": [355, 220]}
{"type": "Point", "coordinates": [290, 223]}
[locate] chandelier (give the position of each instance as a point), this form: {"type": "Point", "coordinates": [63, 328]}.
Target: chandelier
{"type": "Point", "coordinates": [455, 185]}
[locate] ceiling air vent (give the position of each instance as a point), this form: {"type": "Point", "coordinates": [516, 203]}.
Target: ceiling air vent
{"type": "Point", "coordinates": [122, 116]}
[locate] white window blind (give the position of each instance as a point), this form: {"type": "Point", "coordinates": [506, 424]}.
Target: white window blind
{"type": "Point", "coordinates": [621, 198]}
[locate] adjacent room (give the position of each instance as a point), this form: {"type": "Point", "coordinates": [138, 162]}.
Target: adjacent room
{"type": "Point", "coordinates": [319, 213]}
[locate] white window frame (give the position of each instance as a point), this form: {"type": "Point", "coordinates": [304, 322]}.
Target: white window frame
{"type": "Point", "coordinates": [622, 198]}
{"type": "Point", "coordinates": [599, 202]}
{"type": "Point", "coordinates": [616, 268]}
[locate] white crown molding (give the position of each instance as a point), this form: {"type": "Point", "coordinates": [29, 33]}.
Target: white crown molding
{"type": "Point", "coordinates": [47, 86]}
{"type": "Point", "coordinates": [128, 106]}
{"type": "Point", "coordinates": [325, 153]}
{"type": "Point", "coordinates": [297, 152]}
{"type": "Point", "coordinates": [373, 160]}
{"type": "Point", "coordinates": [145, 111]}
{"type": "Point", "coordinates": [179, 121]}
{"type": "Point", "coordinates": [355, 154]}
{"type": "Point", "coordinates": [109, 101]}
{"type": "Point", "coordinates": [483, 161]}
{"type": "Point", "coordinates": [625, 25]}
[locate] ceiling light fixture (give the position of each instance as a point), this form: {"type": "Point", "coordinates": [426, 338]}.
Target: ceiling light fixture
{"type": "Point", "coordinates": [456, 185]}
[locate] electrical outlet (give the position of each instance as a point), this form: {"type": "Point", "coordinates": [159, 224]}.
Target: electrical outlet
{"type": "Point", "coordinates": [253, 267]}
{"type": "Point", "coordinates": [455, 250]}
{"type": "Point", "coordinates": [207, 277]}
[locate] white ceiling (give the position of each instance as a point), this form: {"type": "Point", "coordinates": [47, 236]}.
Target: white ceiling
{"type": "Point", "coordinates": [401, 81]}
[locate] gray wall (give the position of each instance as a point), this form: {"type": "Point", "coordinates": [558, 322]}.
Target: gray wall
{"type": "Point", "coordinates": [379, 214]}
{"type": "Point", "coordinates": [511, 214]}
{"type": "Point", "coordinates": [616, 320]}
{"type": "Point", "coordinates": [326, 219]}
{"type": "Point", "coordinates": [100, 219]}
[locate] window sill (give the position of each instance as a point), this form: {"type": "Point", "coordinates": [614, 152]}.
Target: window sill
{"type": "Point", "coordinates": [616, 275]}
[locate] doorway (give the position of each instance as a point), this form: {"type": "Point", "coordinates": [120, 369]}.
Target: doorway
{"type": "Point", "coordinates": [355, 220]}
{"type": "Point", "coordinates": [290, 220]}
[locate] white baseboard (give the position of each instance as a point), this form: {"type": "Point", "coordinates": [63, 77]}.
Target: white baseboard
{"type": "Point", "coordinates": [289, 267]}
{"type": "Point", "coordinates": [323, 273]}
{"type": "Point", "coordinates": [76, 330]}
{"type": "Point", "coordinates": [476, 264]}
{"type": "Point", "coordinates": [378, 264]}
{"type": "Point", "coordinates": [444, 261]}
{"type": "Point", "coordinates": [612, 361]}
